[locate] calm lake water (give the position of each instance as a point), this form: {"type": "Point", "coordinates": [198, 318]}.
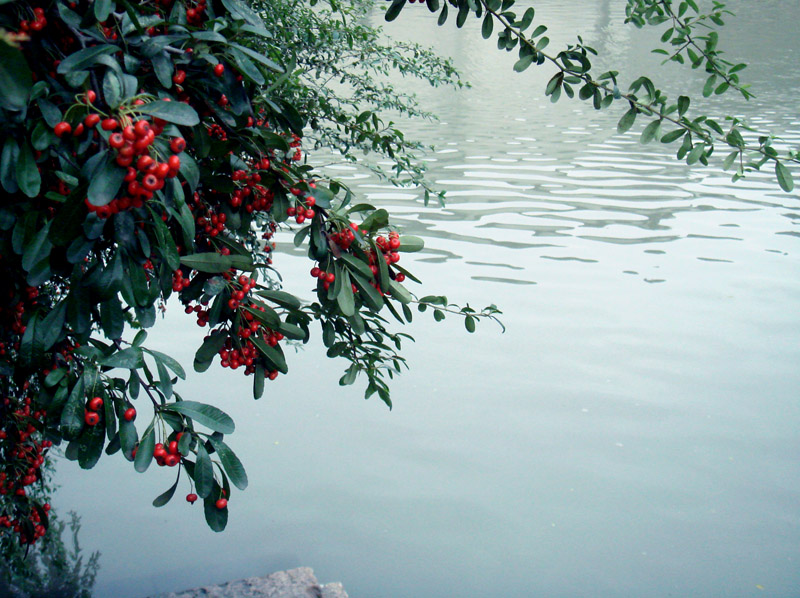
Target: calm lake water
{"type": "Point", "coordinates": [635, 432]}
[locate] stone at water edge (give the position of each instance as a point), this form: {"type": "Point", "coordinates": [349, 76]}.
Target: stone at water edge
{"type": "Point", "coordinates": [294, 583]}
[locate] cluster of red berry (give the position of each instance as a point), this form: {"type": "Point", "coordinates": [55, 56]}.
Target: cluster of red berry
{"type": "Point", "coordinates": [194, 16]}
{"type": "Point", "coordinates": [25, 451]}
{"type": "Point", "coordinates": [38, 23]}
{"type": "Point", "coordinates": [296, 143]}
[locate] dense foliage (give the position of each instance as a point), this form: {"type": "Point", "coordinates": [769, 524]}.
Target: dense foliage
{"type": "Point", "coordinates": [154, 149]}
{"type": "Point", "coordinates": [687, 36]}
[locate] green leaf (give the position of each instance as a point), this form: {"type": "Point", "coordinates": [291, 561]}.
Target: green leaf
{"type": "Point", "coordinates": [672, 136]}
{"type": "Point", "coordinates": [207, 415]}
{"type": "Point", "coordinates": [375, 221]}
{"type": "Point", "coordinates": [28, 177]}
{"type": "Point", "coordinates": [695, 154]}
{"type": "Point", "coordinates": [31, 348]}
{"type": "Point", "coordinates": [273, 354]}
{"type": "Point", "coordinates": [216, 518]}
{"type": "Point", "coordinates": [212, 263]}
{"type": "Point", "coordinates": [683, 105]}
{"type": "Point", "coordinates": [15, 78]}
{"type": "Point", "coordinates": [106, 181]}
{"type": "Point", "coordinates": [784, 177]}
{"type": "Point", "coordinates": [523, 63]}
{"type": "Point", "coordinates": [258, 382]}
{"type": "Point", "coordinates": [410, 243]}
{"type": "Point", "coordinates": [203, 472]}
{"type": "Point", "coordinates": [144, 454]}
{"type": "Point", "coordinates": [270, 64]}
{"type": "Point", "coordinates": [356, 265]}
{"type": "Point", "coordinates": [233, 467]}
{"type": "Point", "coordinates": [53, 324]}
{"type": "Point", "coordinates": [371, 296]}
{"type": "Point", "coordinates": [38, 249]}
{"type": "Point", "coordinates": [85, 58]}
{"type": "Point", "coordinates": [399, 292]}
{"type": "Point", "coordinates": [281, 298]}
{"type": "Point", "coordinates": [627, 120]}
{"type": "Point", "coordinates": [164, 498]}
{"type": "Point", "coordinates": [174, 112]}
{"type": "Point", "coordinates": [726, 164]}
{"type": "Point", "coordinates": [469, 324]}
{"type": "Point", "coordinates": [169, 362]}
{"type": "Point", "coordinates": [246, 67]}
{"type": "Point", "coordinates": [210, 347]}
{"type": "Point", "coordinates": [130, 358]}
{"type": "Point", "coordinates": [708, 88]}
{"type": "Point", "coordinates": [73, 412]}
{"type": "Point", "coordinates": [650, 132]}
{"type": "Point", "coordinates": [90, 446]}
{"type": "Point", "coordinates": [8, 163]}
{"type": "Point", "coordinates": [164, 380]}
{"type": "Point", "coordinates": [488, 25]}
{"type": "Point", "coordinates": [240, 10]}
{"type": "Point", "coordinates": [128, 436]}
{"type": "Point", "coordinates": [394, 10]}
{"type": "Point", "coordinates": [345, 297]}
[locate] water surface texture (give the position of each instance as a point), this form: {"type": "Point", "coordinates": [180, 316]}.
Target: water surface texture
{"type": "Point", "coordinates": [635, 432]}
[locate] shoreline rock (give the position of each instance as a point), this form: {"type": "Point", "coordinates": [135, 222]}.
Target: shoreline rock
{"type": "Point", "coordinates": [294, 583]}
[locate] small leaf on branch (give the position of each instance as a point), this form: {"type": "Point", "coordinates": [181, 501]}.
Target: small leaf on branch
{"type": "Point", "coordinates": [784, 176]}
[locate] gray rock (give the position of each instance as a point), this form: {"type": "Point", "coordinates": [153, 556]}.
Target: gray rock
{"type": "Point", "coordinates": [295, 583]}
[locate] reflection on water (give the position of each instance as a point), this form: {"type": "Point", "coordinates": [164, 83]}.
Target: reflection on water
{"type": "Point", "coordinates": [635, 432]}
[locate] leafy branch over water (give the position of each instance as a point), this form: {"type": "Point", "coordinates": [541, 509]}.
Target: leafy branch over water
{"type": "Point", "coordinates": [700, 135]}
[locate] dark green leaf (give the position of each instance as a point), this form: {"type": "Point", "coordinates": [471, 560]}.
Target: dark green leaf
{"type": "Point", "coordinates": [394, 9]}
{"type": "Point", "coordinates": [144, 454]}
{"type": "Point", "coordinates": [90, 446]}
{"type": "Point", "coordinates": [73, 413]}
{"type": "Point", "coordinates": [207, 415]}
{"type": "Point", "coordinates": [130, 358]}
{"type": "Point", "coordinates": [85, 58]}
{"type": "Point", "coordinates": [164, 498]}
{"type": "Point", "coordinates": [216, 518]}
{"type": "Point", "coordinates": [174, 112]}
{"type": "Point", "coordinates": [28, 177]}
{"type": "Point", "coordinates": [203, 472]}
{"type": "Point", "coordinates": [233, 466]}
{"type": "Point", "coordinates": [15, 78]}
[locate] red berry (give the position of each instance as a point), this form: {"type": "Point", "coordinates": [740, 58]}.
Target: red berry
{"type": "Point", "coordinates": [62, 128]}
{"type": "Point", "coordinates": [174, 162]}
{"type": "Point", "coordinates": [177, 145]}
{"type": "Point", "coordinates": [191, 497]}
{"type": "Point", "coordinates": [91, 120]}
{"type": "Point", "coordinates": [95, 404]}
{"type": "Point", "coordinates": [144, 163]}
{"type": "Point", "coordinates": [91, 418]}
{"type": "Point", "coordinates": [171, 460]}
{"type": "Point", "coordinates": [162, 170]}
{"type": "Point", "coordinates": [91, 96]}
{"type": "Point", "coordinates": [109, 124]}
{"type": "Point", "coordinates": [141, 128]}
{"type": "Point", "coordinates": [150, 182]}
{"type": "Point", "coordinates": [116, 140]}
{"type": "Point", "coordinates": [130, 414]}
{"type": "Point", "coordinates": [221, 503]}
{"type": "Point", "coordinates": [219, 69]}
{"type": "Point", "coordinates": [178, 78]}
